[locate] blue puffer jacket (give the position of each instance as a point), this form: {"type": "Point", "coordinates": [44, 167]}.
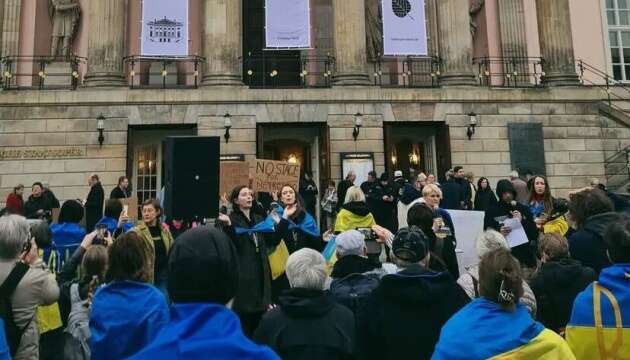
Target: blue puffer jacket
{"type": "Point", "coordinates": [66, 238]}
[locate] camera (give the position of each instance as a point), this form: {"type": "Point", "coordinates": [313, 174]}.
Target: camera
{"type": "Point", "coordinates": [373, 247]}
{"type": "Point", "coordinates": [101, 234]}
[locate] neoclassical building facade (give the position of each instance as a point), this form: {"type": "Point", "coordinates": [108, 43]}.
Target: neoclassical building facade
{"type": "Point", "coordinates": [508, 84]}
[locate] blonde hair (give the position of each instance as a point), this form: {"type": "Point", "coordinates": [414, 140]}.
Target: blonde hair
{"type": "Point", "coordinates": [354, 194]}
{"type": "Point", "coordinates": [422, 177]}
{"type": "Point", "coordinates": [554, 245]}
{"type": "Point", "coordinates": [431, 189]}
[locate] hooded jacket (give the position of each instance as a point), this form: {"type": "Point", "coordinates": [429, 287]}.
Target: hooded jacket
{"type": "Point", "coordinates": [354, 215]}
{"type": "Point", "coordinates": [598, 332]}
{"type": "Point", "coordinates": [203, 331]}
{"type": "Point", "coordinates": [308, 324]}
{"type": "Point", "coordinates": [125, 317]}
{"type": "Point", "coordinates": [587, 243]}
{"type": "Point", "coordinates": [556, 285]}
{"type": "Point", "coordinates": [66, 238]}
{"type": "Point", "coordinates": [483, 330]}
{"type": "Point", "coordinates": [402, 317]}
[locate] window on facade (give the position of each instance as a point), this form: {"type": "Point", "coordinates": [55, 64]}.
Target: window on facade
{"type": "Point", "coordinates": [618, 16]}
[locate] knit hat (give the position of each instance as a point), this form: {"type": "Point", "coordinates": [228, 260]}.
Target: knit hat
{"type": "Point", "coordinates": [490, 240]}
{"type": "Point", "coordinates": [398, 173]}
{"type": "Point", "coordinates": [71, 212]}
{"type": "Point", "coordinates": [203, 267]}
{"type": "Point", "coordinates": [351, 242]}
{"type": "Point", "coordinates": [410, 244]}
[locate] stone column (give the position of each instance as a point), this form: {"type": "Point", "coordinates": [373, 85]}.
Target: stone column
{"type": "Point", "coordinates": [556, 42]}
{"type": "Point", "coordinates": [455, 44]}
{"type": "Point", "coordinates": [106, 43]}
{"type": "Point", "coordinates": [222, 42]}
{"type": "Point", "coordinates": [11, 27]}
{"type": "Point", "coordinates": [350, 48]}
{"type": "Point", "coordinates": [512, 28]}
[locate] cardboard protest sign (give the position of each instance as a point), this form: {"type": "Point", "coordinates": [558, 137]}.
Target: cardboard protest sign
{"type": "Point", "coordinates": [269, 175]}
{"type": "Point", "coordinates": [232, 174]}
{"type": "Point", "coordinates": [131, 206]}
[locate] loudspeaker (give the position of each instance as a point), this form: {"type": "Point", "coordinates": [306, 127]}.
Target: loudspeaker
{"type": "Point", "coordinates": [191, 168]}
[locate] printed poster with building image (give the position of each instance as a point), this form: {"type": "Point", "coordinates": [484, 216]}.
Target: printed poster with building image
{"type": "Point", "coordinates": [164, 28]}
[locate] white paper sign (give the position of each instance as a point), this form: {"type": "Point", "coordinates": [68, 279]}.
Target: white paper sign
{"type": "Point", "coordinates": [164, 28]}
{"type": "Point", "coordinates": [404, 27]}
{"type": "Point", "coordinates": [468, 225]}
{"type": "Point", "coordinates": [517, 235]}
{"type": "Point", "coordinates": [287, 24]}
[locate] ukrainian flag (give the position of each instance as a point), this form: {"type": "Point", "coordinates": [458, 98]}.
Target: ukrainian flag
{"type": "Point", "coordinates": [483, 330]}
{"type": "Point", "coordinates": [600, 323]}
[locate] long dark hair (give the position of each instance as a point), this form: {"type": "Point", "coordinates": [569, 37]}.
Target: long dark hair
{"type": "Point", "coordinates": [128, 259]}
{"type": "Point", "coordinates": [479, 188]}
{"type": "Point", "coordinates": [93, 268]}
{"type": "Point", "coordinates": [547, 200]}
{"type": "Point", "coordinates": [234, 196]}
{"type": "Point", "coordinates": [299, 202]}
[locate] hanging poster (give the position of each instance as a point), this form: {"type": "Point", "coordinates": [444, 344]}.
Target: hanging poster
{"type": "Point", "coordinates": [287, 24]}
{"type": "Point", "coordinates": [164, 28]}
{"type": "Point", "coordinates": [404, 27]}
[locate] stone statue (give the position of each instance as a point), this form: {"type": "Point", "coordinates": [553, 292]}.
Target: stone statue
{"type": "Point", "coordinates": [373, 29]}
{"type": "Point", "coordinates": [475, 8]}
{"type": "Point", "coordinates": [65, 15]}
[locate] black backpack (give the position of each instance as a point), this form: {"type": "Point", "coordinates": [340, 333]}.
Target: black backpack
{"type": "Point", "coordinates": [12, 331]}
{"type": "Point", "coordinates": [352, 290]}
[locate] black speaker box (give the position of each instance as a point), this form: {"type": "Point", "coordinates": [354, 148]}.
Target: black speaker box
{"type": "Point", "coordinates": [191, 168]}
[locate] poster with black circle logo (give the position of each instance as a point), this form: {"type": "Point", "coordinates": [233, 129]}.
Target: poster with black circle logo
{"type": "Point", "coordinates": [287, 24]}
{"type": "Point", "coordinates": [404, 27]}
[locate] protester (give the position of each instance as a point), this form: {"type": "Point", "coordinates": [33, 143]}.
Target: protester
{"type": "Point", "coordinates": [33, 286]}
{"type": "Point", "coordinates": [422, 181]}
{"type": "Point", "coordinates": [308, 192]}
{"type": "Point", "coordinates": [5, 352]}
{"type": "Point", "coordinates": [432, 180]}
{"type": "Point", "coordinates": [399, 183]}
{"type": "Point", "coordinates": [354, 212]}
{"type": "Point", "coordinates": [403, 316]}
{"type": "Point", "coordinates": [203, 280]}
{"type": "Point", "coordinates": [593, 213]}
{"type": "Point", "coordinates": [557, 282]}
{"type": "Point", "coordinates": [329, 205]}
{"type": "Point", "coordinates": [452, 195]}
{"type": "Point", "coordinates": [540, 201]}
{"type": "Point", "coordinates": [308, 323]}
{"type": "Point", "coordinates": [15, 202]}
{"type": "Point", "coordinates": [158, 241]}
{"type": "Point", "coordinates": [343, 187]}
{"type": "Point", "coordinates": [38, 206]}
{"type": "Point", "coordinates": [128, 312]}
{"type": "Point", "coordinates": [296, 225]}
{"type": "Point", "coordinates": [114, 218]}
{"type": "Point", "coordinates": [598, 328]}
{"type": "Point", "coordinates": [381, 202]}
{"type": "Point", "coordinates": [67, 234]}
{"type": "Point", "coordinates": [508, 208]}
{"type": "Point", "coordinates": [522, 193]}
{"type": "Point", "coordinates": [121, 191]}
{"type": "Point", "coordinates": [488, 241]}
{"type": "Point", "coordinates": [496, 325]}
{"type": "Point", "coordinates": [367, 185]}
{"type": "Point", "coordinates": [432, 197]}
{"type": "Point", "coordinates": [411, 195]}
{"type": "Point", "coordinates": [50, 197]}
{"type": "Point", "coordinates": [253, 236]}
{"type": "Point", "coordinates": [470, 177]}
{"type": "Point", "coordinates": [484, 198]}
{"type": "Point", "coordinates": [465, 201]}
{"type": "Point", "coordinates": [94, 203]}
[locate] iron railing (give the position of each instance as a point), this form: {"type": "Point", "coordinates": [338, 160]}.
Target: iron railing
{"type": "Point", "coordinates": [272, 70]}
{"type": "Point", "coordinates": [410, 72]}
{"type": "Point", "coordinates": [163, 72]}
{"type": "Point", "coordinates": [617, 169]}
{"type": "Point", "coordinates": [512, 72]}
{"type": "Point", "coordinates": [41, 72]}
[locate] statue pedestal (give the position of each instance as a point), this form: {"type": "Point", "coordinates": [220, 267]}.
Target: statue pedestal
{"type": "Point", "coordinates": [59, 74]}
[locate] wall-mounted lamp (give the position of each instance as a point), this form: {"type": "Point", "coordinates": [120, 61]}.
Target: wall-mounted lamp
{"type": "Point", "coordinates": [358, 122]}
{"type": "Point", "coordinates": [227, 124]}
{"type": "Point", "coordinates": [100, 126]}
{"type": "Point", "coordinates": [472, 124]}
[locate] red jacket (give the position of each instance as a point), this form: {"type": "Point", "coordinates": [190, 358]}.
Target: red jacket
{"type": "Point", "coordinates": [15, 204]}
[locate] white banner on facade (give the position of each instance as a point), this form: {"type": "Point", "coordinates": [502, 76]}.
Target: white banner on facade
{"type": "Point", "coordinates": [287, 24]}
{"type": "Point", "coordinates": [164, 28]}
{"type": "Point", "coordinates": [404, 27]}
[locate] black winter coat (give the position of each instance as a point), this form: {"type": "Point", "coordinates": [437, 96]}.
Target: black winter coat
{"type": "Point", "coordinates": [118, 193]}
{"type": "Point", "coordinates": [451, 196]}
{"type": "Point", "coordinates": [254, 287]}
{"type": "Point", "coordinates": [342, 189]}
{"type": "Point", "coordinates": [307, 325]}
{"type": "Point", "coordinates": [351, 264]}
{"type": "Point", "coordinates": [402, 317]}
{"type": "Point", "coordinates": [308, 191]}
{"type": "Point", "coordinates": [556, 286]}
{"type": "Point", "coordinates": [33, 205]}
{"type": "Point", "coordinates": [587, 243]}
{"type": "Point", "coordinates": [296, 239]}
{"type": "Point", "coordinates": [383, 211]}
{"type": "Point", "coordinates": [484, 200]}
{"type": "Point", "coordinates": [465, 192]}
{"type": "Point", "coordinates": [94, 206]}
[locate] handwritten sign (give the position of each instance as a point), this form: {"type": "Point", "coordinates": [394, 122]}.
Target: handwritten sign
{"type": "Point", "coordinates": [131, 206]}
{"type": "Point", "coordinates": [232, 174]}
{"type": "Point", "coordinates": [269, 175]}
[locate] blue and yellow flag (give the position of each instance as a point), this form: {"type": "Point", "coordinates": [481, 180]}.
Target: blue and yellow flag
{"type": "Point", "coordinates": [483, 330]}
{"type": "Point", "coordinates": [600, 322]}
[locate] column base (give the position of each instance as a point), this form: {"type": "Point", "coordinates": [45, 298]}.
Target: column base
{"type": "Point", "coordinates": [350, 79]}
{"type": "Point", "coordinates": [458, 79]}
{"type": "Point", "coordinates": [109, 79]}
{"type": "Point", "coordinates": [222, 80]}
{"type": "Point", "coordinates": [561, 79]}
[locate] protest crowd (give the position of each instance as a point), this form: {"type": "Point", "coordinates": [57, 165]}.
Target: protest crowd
{"type": "Point", "coordinates": [379, 279]}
